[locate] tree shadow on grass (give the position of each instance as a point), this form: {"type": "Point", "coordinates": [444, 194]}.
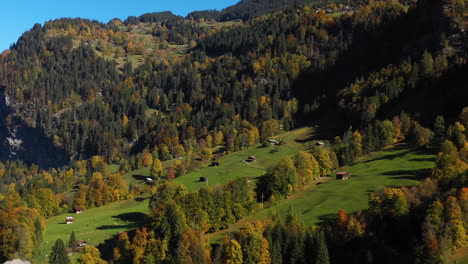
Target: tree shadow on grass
{"type": "Point", "coordinates": [310, 136]}
{"type": "Point", "coordinates": [132, 220]}
{"type": "Point", "coordinates": [116, 227]}
{"type": "Point", "coordinates": [423, 159]}
{"type": "Point", "coordinates": [139, 177]}
{"type": "Point", "coordinates": [327, 219]}
{"type": "Point", "coordinates": [418, 174]}
{"type": "Point", "coordinates": [136, 217]}
{"type": "Point", "coordinates": [107, 247]}
{"type": "Point", "coordinates": [389, 156]}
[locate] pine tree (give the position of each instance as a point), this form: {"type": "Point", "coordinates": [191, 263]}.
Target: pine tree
{"type": "Point", "coordinates": [59, 254]}
{"type": "Point", "coordinates": [321, 250]}
{"type": "Point", "coordinates": [72, 241]}
{"type": "Point", "coordinates": [439, 127]}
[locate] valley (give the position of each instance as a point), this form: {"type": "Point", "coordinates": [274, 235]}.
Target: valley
{"type": "Point", "coordinates": [268, 132]}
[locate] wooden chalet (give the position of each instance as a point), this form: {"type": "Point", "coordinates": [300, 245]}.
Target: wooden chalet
{"type": "Point", "coordinates": [81, 243]}
{"type": "Point", "coordinates": [343, 175]}
{"type": "Point", "coordinates": [69, 219]}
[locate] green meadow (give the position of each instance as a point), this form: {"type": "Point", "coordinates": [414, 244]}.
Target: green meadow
{"type": "Point", "coordinates": [96, 225]}
{"type": "Point", "coordinates": [233, 166]}
{"type": "Point", "coordinates": [393, 167]}
{"type": "Point", "coordinates": [397, 166]}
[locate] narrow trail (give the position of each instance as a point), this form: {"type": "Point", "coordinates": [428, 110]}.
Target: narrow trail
{"type": "Point", "coordinates": [248, 164]}
{"type": "Point", "coordinates": [287, 134]}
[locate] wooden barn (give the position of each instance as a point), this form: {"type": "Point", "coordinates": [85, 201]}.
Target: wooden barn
{"type": "Point", "coordinates": [320, 144]}
{"type": "Point", "coordinates": [81, 243]}
{"type": "Point", "coordinates": [149, 181]}
{"type": "Point", "coordinates": [343, 175]}
{"type": "Point", "coordinates": [78, 210]}
{"type": "Point", "coordinates": [273, 142]}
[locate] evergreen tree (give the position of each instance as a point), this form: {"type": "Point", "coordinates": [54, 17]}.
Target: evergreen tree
{"type": "Point", "coordinates": [72, 242]}
{"type": "Point", "coordinates": [59, 254]}
{"type": "Point", "coordinates": [320, 248]}
{"type": "Point", "coordinates": [439, 127]}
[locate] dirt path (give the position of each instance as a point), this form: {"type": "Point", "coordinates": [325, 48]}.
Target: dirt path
{"type": "Point", "coordinates": [248, 164]}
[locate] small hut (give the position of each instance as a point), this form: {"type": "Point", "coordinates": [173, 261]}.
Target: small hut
{"type": "Point", "coordinates": [343, 175]}
{"type": "Point", "coordinates": [81, 243]}
{"type": "Point", "coordinates": [203, 179]}
{"type": "Point", "coordinates": [273, 142]}
{"type": "Point", "coordinates": [149, 181]}
{"type": "Point", "coordinates": [69, 220]}
{"type": "Point", "coordinates": [78, 210]}
{"type": "Point", "coordinates": [320, 144]}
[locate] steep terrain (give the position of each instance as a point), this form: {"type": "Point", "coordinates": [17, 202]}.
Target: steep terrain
{"type": "Point", "coordinates": [18, 141]}
{"type": "Point", "coordinates": [172, 99]}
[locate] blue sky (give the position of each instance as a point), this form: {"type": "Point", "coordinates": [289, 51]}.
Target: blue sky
{"type": "Point", "coordinates": [18, 16]}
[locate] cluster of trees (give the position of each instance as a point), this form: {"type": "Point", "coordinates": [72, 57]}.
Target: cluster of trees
{"type": "Point", "coordinates": [28, 196]}
{"type": "Point", "coordinates": [274, 241]}
{"type": "Point", "coordinates": [155, 17]}
{"type": "Point", "coordinates": [179, 219]}
{"type": "Point", "coordinates": [102, 190]}
{"type": "Point", "coordinates": [21, 228]}
{"type": "Point", "coordinates": [208, 209]}
{"type": "Point", "coordinates": [364, 99]}
{"type": "Point", "coordinates": [249, 9]}
{"type": "Point", "coordinates": [379, 134]}
{"type": "Point", "coordinates": [236, 87]}
{"type": "Point", "coordinates": [403, 128]}
{"type": "Point", "coordinates": [292, 174]}
{"type": "Point", "coordinates": [89, 254]}
{"type": "Point", "coordinates": [88, 107]}
{"type": "Point", "coordinates": [452, 160]}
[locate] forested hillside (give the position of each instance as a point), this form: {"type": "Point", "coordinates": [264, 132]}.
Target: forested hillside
{"type": "Point", "coordinates": [176, 94]}
{"type": "Point", "coordinates": [247, 9]}
{"type": "Point", "coordinates": [253, 73]}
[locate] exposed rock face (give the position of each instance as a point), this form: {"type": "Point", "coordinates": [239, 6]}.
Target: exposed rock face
{"type": "Point", "coordinates": [18, 141]}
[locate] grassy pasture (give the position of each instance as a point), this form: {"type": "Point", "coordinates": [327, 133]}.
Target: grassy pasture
{"type": "Point", "coordinates": [394, 167]}
{"type": "Point", "coordinates": [319, 203]}
{"type": "Point", "coordinates": [232, 166]}
{"type": "Point", "coordinates": [96, 225]}
{"type": "Point", "coordinates": [398, 166]}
